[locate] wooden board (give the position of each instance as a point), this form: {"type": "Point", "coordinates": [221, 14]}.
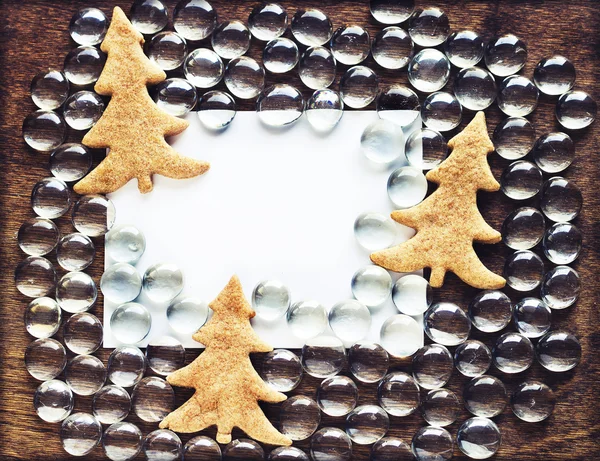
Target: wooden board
{"type": "Point", "coordinates": [34, 36]}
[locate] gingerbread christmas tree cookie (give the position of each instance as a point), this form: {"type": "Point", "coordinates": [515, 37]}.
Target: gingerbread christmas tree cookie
{"type": "Point", "coordinates": [228, 387]}
{"type": "Point", "coordinates": [133, 128]}
{"type": "Point", "coordinates": [448, 221]}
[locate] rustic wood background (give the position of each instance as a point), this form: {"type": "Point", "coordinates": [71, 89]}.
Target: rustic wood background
{"type": "Point", "coordinates": [34, 36]}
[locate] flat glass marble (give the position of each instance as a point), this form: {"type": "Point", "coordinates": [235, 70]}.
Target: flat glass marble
{"type": "Point", "coordinates": [441, 111]}
{"type": "Point", "coordinates": [478, 438]}
{"type": "Point", "coordinates": [126, 366]}
{"type": "Point", "coordinates": [279, 105]}
{"type": "Point", "coordinates": [307, 319]}
{"type": "Point", "coordinates": [167, 50]}
{"type": "Point", "coordinates": [350, 320]}
{"type": "Point", "coordinates": [426, 149]}
{"type": "Point", "coordinates": [162, 282]}
{"type": "Point", "coordinates": [50, 198]}
{"type": "Point", "coordinates": [514, 137]}
{"type": "Point", "coordinates": [523, 270]}
{"type": "Point", "coordinates": [391, 11]}
{"type": "Point", "coordinates": [42, 317]}
{"type": "Point", "coordinates": [44, 130]}
{"type": "Point", "coordinates": [398, 394]}
{"type": "Point", "coordinates": [475, 88]}
{"type": "Point", "coordinates": [576, 110]}
{"type": "Point", "coordinates": [280, 55]}
{"type": "Point", "coordinates": [243, 449]}
{"type": "Point", "coordinates": [440, 407]}
{"type": "Point", "coordinates": [561, 287]}
{"type": "Point", "coordinates": [53, 401]}
{"type": "Point", "coordinates": [299, 417]}
{"type": "Point", "coordinates": [562, 243]}
{"type": "Point", "coordinates": [121, 283]}
{"type": "Point", "coordinates": [532, 401]}
{"type": "Point", "coordinates": [532, 317]}
{"type": "Point", "coordinates": [382, 142]}
{"type": "Point", "coordinates": [558, 351]}
{"type": "Point", "coordinates": [329, 444]}
{"type": "Point", "coordinates": [80, 433]}
{"type": "Point", "coordinates": [412, 294]}
{"type": "Point", "coordinates": [267, 21]}
{"type": "Point", "coordinates": [165, 355]}
{"type": "Point", "coordinates": [88, 26]}
{"type": "Point", "coordinates": [317, 67]}
{"type": "Point", "coordinates": [216, 110]}
{"type": "Point", "coordinates": [392, 48]}
{"type": "Point", "coordinates": [282, 370]}
{"type": "Point", "coordinates": [76, 292]}
{"type": "Point", "coordinates": [523, 228]}
{"type": "Point", "coordinates": [270, 299]}
{"type": "Point", "coordinates": [231, 39]}
{"type": "Point", "coordinates": [125, 244]}
{"type": "Point", "coordinates": [401, 335]}
{"type": "Point", "coordinates": [49, 89]}
{"type": "Point", "coordinates": [152, 399]}
{"type": "Point", "coordinates": [70, 162]}
{"type": "Point", "coordinates": [432, 366]}
{"type": "Point", "coordinates": [244, 77]}
{"type": "Point", "coordinates": [83, 65]}
{"type": "Point", "coordinates": [464, 48]}
{"type": "Point", "coordinates": [374, 231]}
{"type": "Point", "coordinates": [505, 55]}
{"type": "Point", "coordinates": [287, 454]}
{"type": "Point", "coordinates": [324, 110]}
{"type": "Point", "coordinates": [432, 443]}
{"type": "Point", "coordinates": [429, 27]}
{"type": "Point", "coordinates": [186, 314]}
{"type": "Point", "coordinates": [323, 356]}
{"type": "Point", "coordinates": [368, 362]}
{"type": "Point", "coordinates": [350, 45]}
{"type": "Point", "coordinates": [337, 396]}
{"type": "Point", "coordinates": [201, 448]}
{"type": "Point", "coordinates": [149, 16]}
{"type": "Point", "coordinates": [513, 353]}
{"type": "Point", "coordinates": [472, 358]}
{"type": "Point", "coordinates": [490, 311]}
{"type": "Point", "coordinates": [203, 68]}
{"type": "Point", "coordinates": [429, 70]}
{"type": "Point", "coordinates": [85, 374]}
{"type": "Point", "coordinates": [398, 104]}
{"type": "Point", "coordinates": [521, 180]}
{"type": "Point", "coordinates": [45, 359]}
{"type": "Point", "coordinates": [447, 324]}
{"type": "Point", "coordinates": [38, 236]}
{"type": "Point", "coordinates": [122, 441]}
{"type": "Point", "coordinates": [194, 19]}
{"type": "Point", "coordinates": [35, 276]}
{"type": "Point", "coordinates": [561, 200]}
{"type": "Point", "coordinates": [391, 449]}
{"type": "Point", "coordinates": [162, 445]}
{"type": "Point", "coordinates": [311, 27]}
{"type": "Point", "coordinates": [554, 75]}
{"type": "Point", "coordinates": [130, 323]}
{"type": "Point", "coordinates": [111, 404]}
{"type": "Point", "coordinates": [485, 396]}
{"type": "Point", "coordinates": [93, 215]}
{"type": "Point", "coordinates": [83, 333]}
{"type": "Point", "coordinates": [554, 152]}
{"type": "Point", "coordinates": [517, 96]}
{"type": "Point", "coordinates": [406, 187]}
{"type": "Point", "coordinates": [367, 424]}
{"type": "Point", "coordinates": [175, 96]}
{"type": "Point", "coordinates": [359, 87]}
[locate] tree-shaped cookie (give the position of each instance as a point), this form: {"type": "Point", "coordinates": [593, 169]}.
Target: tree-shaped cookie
{"type": "Point", "coordinates": [448, 221]}
{"type": "Point", "coordinates": [228, 387]}
{"type": "Point", "coordinates": [132, 127]}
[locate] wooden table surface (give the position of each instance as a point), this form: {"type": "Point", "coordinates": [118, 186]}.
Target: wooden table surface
{"type": "Point", "coordinates": [34, 36]}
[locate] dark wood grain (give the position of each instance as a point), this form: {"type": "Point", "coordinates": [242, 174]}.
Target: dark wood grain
{"type": "Point", "coordinates": [34, 36]}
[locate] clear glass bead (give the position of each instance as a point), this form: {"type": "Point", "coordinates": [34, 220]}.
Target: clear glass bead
{"type": "Point", "coordinates": [406, 187]}
{"type": "Point", "coordinates": [485, 396]}
{"type": "Point", "coordinates": [382, 142]}
{"type": "Point", "coordinates": [70, 162]}
{"type": "Point", "coordinates": [324, 110]}
{"type": "Point", "coordinates": [163, 445]}
{"type": "Point", "coordinates": [165, 355]}
{"type": "Point", "coordinates": [374, 231]}
{"type": "Point", "coordinates": [126, 366]}
{"type": "Point", "coordinates": [244, 77]}
{"type": "Point", "coordinates": [554, 75]}
{"type": "Point", "coordinates": [152, 399]}
{"type": "Point", "coordinates": [576, 110]}
{"type": "Point", "coordinates": [231, 39]}
{"type": "Point", "coordinates": [426, 149]}
{"type": "Point", "coordinates": [523, 270]}
{"type": "Point", "coordinates": [175, 96]}
{"type": "Point", "coordinates": [533, 401]}
{"type": "Point", "coordinates": [299, 417]}
{"type": "Point", "coordinates": [429, 70]}
{"type": "Point", "coordinates": [50, 198]}
{"type": "Point", "coordinates": [307, 319]}
{"type": "Point", "coordinates": [201, 448]}
{"type": "Point", "coordinates": [216, 110]}
{"type": "Point", "coordinates": [523, 228]}
{"type": "Point", "coordinates": [514, 137]}
{"type": "Point", "coordinates": [75, 252]}
{"type": "Point", "coordinates": [558, 351]}
{"type": "Point", "coordinates": [287, 454]}
{"type": "Point", "coordinates": [203, 68]}
{"type": "Point", "coordinates": [441, 111]}
{"type": "Point", "coordinates": [429, 26]}
{"type": "Point", "coordinates": [464, 48]}
{"type": "Point", "coordinates": [111, 404]}
{"type": "Point", "coordinates": [475, 88]}
{"type": "Point", "coordinates": [505, 55]}
{"type": "Point", "coordinates": [532, 317]}
{"type": "Point", "coordinates": [84, 64]}
{"type": "Point", "coordinates": [392, 48]}
{"type": "Point", "coordinates": [517, 96]}
{"type": "Point", "coordinates": [80, 433]}
{"type": "Point", "coordinates": [162, 282]}
{"type": "Point", "coordinates": [337, 396]}
{"type": "Point", "coordinates": [49, 89]}
{"type": "Point", "coordinates": [367, 424]}
{"type": "Point", "coordinates": [562, 243]}
{"type": "Point", "coordinates": [93, 215]}
{"type": "Point", "coordinates": [45, 359]}
{"type": "Point", "coordinates": [125, 244]}
{"type": "Point", "coordinates": [130, 323]}
{"type": "Point", "coordinates": [554, 152]}
{"type": "Point", "coordinates": [472, 358]}
{"type": "Point", "coordinates": [561, 287]}
{"type": "Point", "coordinates": [187, 314]}
{"type": "Point", "coordinates": [83, 109]}
{"type": "Point", "coordinates": [490, 311]}
{"type": "Point", "coordinates": [37, 236]}
{"type": "Point", "coordinates": [440, 407]}
{"type": "Point", "coordinates": [243, 449]}
{"type": "Point", "coordinates": [350, 320]}
{"type": "Point", "coordinates": [391, 449]}
{"type": "Point", "coordinates": [76, 292]}
{"type": "Point", "coordinates": [398, 394]}
{"type": "Point", "coordinates": [368, 362]}
{"type": "Point", "coordinates": [359, 87]}
{"type": "Point", "coordinates": [121, 283]}
{"type": "Point", "coordinates": [279, 105]}
{"type": "Point", "coordinates": [85, 374]}
{"type": "Point", "coordinates": [330, 444]}
{"type": "Point", "coordinates": [398, 104]}
{"type": "Point", "coordinates": [311, 27]}
{"type": "Point", "coordinates": [281, 369]}
{"type": "Point", "coordinates": [194, 19]}
{"type": "Point", "coordinates": [561, 200]}
{"type": "Point", "coordinates": [83, 333]}
{"type": "Point", "coordinates": [412, 294]}
{"type": "Point", "coordinates": [432, 366]}
{"type": "Point", "coordinates": [391, 11]}
{"type": "Point", "coordinates": [53, 401]}
{"type": "Point", "coordinates": [432, 443]}
{"type": "Point", "coordinates": [88, 26]}
{"type": "Point", "coordinates": [267, 21]}
{"type": "Point", "coordinates": [270, 299]}
{"type": "Point", "coordinates": [44, 130]}
{"type": "Point", "coordinates": [478, 438]}
{"type": "Point", "coordinates": [317, 67]}
{"type": "Point", "coordinates": [42, 317]}
{"type": "Point", "coordinates": [35, 276]}
{"type": "Point", "coordinates": [401, 335]}
{"type": "Point", "coordinates": [149, 16]}
{"type": "Point", "coordinates": [280, 55]}
{"type": "Point", "coordinates": [513, 353]}
{"type": "Point", "coordinates": [447, 324]}
{"type": "Point", "coordinates": [167, 50]}
{"type": "Point", "coordinates": [521, 180]}
{"type": "Point", "coordinates": [122, 441]}
{"type": "Point", "coordinates": [350, 45]}
{"type": "Point", "coordinates": [323, 356]}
